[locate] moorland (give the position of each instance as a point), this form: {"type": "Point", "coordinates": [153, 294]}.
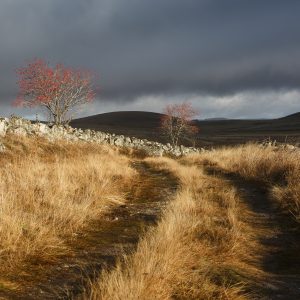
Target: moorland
{"type": "Point", "coordinates": [92, 221]}
{"type": "Point", "coordinates": [212, 132]}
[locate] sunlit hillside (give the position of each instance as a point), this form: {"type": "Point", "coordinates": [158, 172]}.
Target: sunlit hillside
{"type": "Point", "coordinates": [88, 221]}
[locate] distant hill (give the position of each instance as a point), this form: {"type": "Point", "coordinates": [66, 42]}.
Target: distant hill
{"type": "Point", "coordinates": [134, 123]}
{"type": "Point", "coordinates": [293, 117]}
{"type": "Point", "coordinates": [215, 119]}
{"type": "Point", "coordinates": [214, 132]}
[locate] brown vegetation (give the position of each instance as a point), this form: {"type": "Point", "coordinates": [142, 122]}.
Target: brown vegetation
{"type": "Point", "coordinates": [196, 252]}
{"type": "Point", "coordinates": [51, 190]}
{"type": "Point", "coordinates": [207, 244]}
{"type": "Point", "coordinates": [278, 168]}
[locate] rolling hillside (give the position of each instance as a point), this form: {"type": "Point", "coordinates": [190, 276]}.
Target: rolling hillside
{"type": "Point", "coordinates": [212, 132]}
{"type": "Point", "coordinates": [132, 123]}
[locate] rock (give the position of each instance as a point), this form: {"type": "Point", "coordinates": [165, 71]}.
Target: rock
{"type": "Point", "coordinates": [290, 147]}
{"type": "Point", "coordinates": [20, 131]}
{"type": "Point", "coordinates": [24, 127]}
{"type": "Point", "coordinates": [111, 140]}
{"type": "Point", "coordinates": [119, 141]}
{"type": "Point", "coordinates": [176, 151]}
{"type": "Point", "coordinates": [127, 140]}
{"type": "Point", "coordinates": [3, 127]}
{"type": "Point", "coordinates": [42, 128]}
{"type": "Point", "coordinates": [155, 152]}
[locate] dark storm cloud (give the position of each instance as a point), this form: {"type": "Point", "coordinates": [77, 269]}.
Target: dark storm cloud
{"type": "Point", "coordinates": [143, 47]}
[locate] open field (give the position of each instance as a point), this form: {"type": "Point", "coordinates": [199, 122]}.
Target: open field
{"type": "Point", "coordinates": [86, 221]}
{"type": "Point", "coordinates": [222, 237]}
{"type": "Point", "coordinates": [150, 150]}
{"type": "Point", "coordinates": [195, 252]}
{"type": "Point", "coordinates": [279, 169]}
{"type": "Point", "coordinates": [212, 132]}
{"type": "Point", "coordinates": [49, 191]}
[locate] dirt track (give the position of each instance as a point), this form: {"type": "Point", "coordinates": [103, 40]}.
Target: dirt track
{"type": "Point", "coordinates": [100, 246]}
{"type": "Point", "coordinates": [276, 235]}
{"type": "Point", "coordinates": [278, 239]}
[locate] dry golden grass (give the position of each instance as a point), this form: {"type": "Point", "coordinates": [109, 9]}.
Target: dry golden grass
{"type": "Point", "coordinates": [48, 191]}
{"type": "Point", "coordinates": [200, 249]}
{"type": "Point", "coordinates": [197, 250]}
{"type": "Point", "coordinates": [278, 168]}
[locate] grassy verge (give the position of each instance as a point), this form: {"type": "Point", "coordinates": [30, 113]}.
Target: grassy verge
{"type": "Point", "coordinates": [278, 168]}
{"type": "Point", "coordinates": [197, 251]}
{"type": "Point", "coordinates": [48, 191]}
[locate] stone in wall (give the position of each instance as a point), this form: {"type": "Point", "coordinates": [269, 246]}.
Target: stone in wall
{"type": "Point", "coordinates": [3, 126]}
{"type": "Point", "coordinates": [23, 127]}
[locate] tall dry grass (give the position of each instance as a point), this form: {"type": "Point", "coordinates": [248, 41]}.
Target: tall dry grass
{"type": "Point", "coordinates": [48, 191]}
{"type": "Point", "coordinates": [197, 250]}
{"type": "Point", "coordinates": [278, 168]}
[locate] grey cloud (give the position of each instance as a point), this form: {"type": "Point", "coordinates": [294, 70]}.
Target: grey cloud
{"type": "Point", "coordinates": [246, 104]}
{"type": "Point", "coordinates": [141, 48]}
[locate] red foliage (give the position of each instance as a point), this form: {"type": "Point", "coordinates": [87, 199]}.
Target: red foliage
{"type": "Point", "coordinates": [56, 88]}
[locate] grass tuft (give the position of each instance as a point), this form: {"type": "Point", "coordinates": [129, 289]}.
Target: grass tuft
{"type": "Point", "coordinates": [48, 191]}
{"type": "Point", "coordinates": [277, 168]}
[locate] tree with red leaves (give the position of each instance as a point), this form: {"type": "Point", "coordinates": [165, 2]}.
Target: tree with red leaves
{"type": "Point", "coordinates": [58, 89]}
{"type": "Point", "coordinates": [176, 123]}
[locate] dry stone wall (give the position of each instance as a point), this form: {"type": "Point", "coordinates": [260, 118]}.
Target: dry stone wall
{"type": "Point", "coordinates": [23, 127]}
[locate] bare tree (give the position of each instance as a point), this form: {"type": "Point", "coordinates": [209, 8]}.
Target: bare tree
{"type": "Point", "coordinates": [176, 123]}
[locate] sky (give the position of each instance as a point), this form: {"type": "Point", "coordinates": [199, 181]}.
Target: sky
{"type": "Point", "coordinates": [233, 58]}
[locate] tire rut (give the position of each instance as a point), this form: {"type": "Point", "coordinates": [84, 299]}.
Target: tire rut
{"type": "Point", "coordinates": [101, 244]}
{"type": "Point", "coordinates": [278, 237]}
